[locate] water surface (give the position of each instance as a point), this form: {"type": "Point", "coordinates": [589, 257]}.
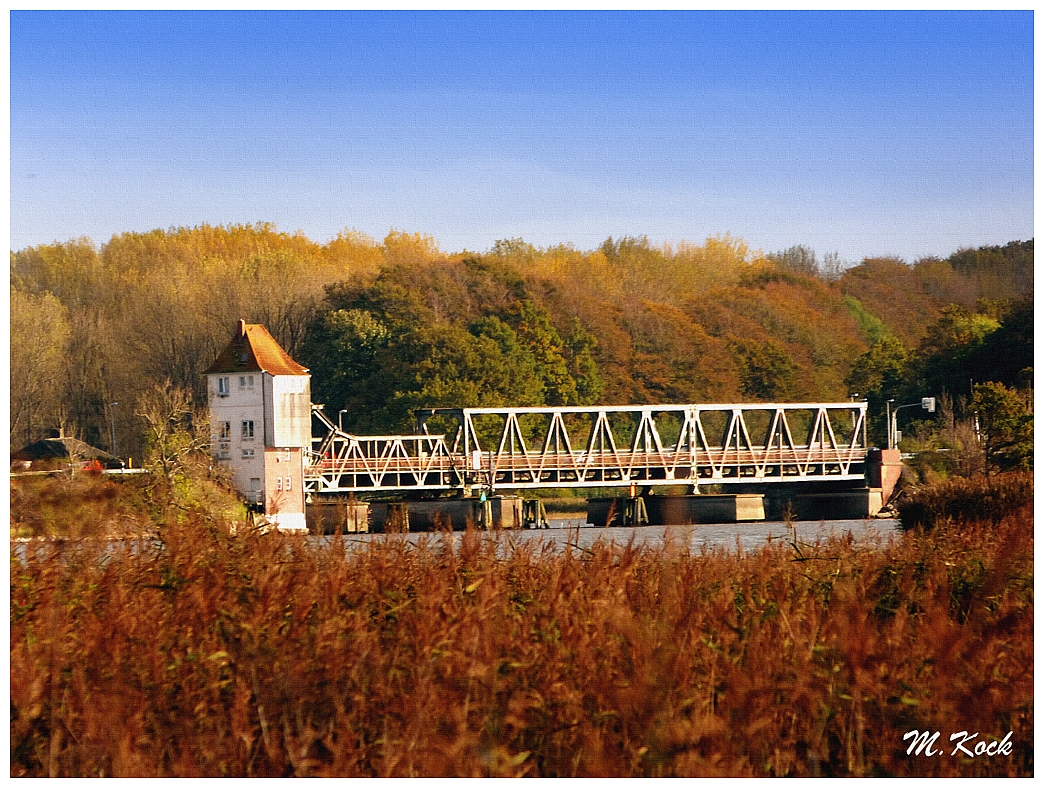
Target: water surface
{"type": "Point", "coordinates": [575, 531]}
{"type": "Point", "coordinates": [726, 536]}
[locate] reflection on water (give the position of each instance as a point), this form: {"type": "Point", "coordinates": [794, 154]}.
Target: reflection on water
{"type": "Point", "coordinates": [748, 536]}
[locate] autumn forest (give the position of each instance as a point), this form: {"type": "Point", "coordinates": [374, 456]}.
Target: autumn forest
{"type": "Point", "coordinates": [389, 326]}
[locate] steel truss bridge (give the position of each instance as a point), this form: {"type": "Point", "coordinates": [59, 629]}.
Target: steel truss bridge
{"type": "Point", "coordinates": [464, 450]}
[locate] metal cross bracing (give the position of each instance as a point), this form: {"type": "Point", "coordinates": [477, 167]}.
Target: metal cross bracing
{"type": "Point", "coordinates": [464, 449]}
{"type": "Point", "coordinates": [366, 463]}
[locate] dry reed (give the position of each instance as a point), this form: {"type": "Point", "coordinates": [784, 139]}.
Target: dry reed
{"type": "Point", "coordinates": [980, 498]}
{"type": "Point", "coordinates": [204, 654]}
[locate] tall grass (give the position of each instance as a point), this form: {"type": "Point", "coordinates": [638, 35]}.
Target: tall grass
{"type": "Point", "coordinates": [206, 654]}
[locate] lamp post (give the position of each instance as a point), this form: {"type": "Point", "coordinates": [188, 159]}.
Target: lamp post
{"type": "Point", "coordinates": [888, 422]}
{"type": "Point", "coordinates": [339, 414]}
{"type": "Point", "coordinates": [853, 397]}
{"type": "Point", "coordinates": [927, 403]}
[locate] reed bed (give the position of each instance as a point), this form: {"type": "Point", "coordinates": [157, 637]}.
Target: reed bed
{"type": "Point", "coordinates": [960, 500]}
{"type": "Point", "coordinates": [208, 653]}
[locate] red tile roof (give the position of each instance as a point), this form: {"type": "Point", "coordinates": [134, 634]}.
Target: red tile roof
{"type": "Point", "coordinates": [253, 349]}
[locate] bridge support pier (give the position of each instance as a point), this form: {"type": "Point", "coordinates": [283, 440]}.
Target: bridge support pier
{"type": "Point", "coordinates": [447, 513]}
{"type": "Point", "coordinates": [697, 509]}
{"type": "Point", "coordinates": [534, 514]}
{"type": "Point", "coordinates": [822, 501]}
{"type": "Point", "coordinates": [852, 505]}
{"type": "Point", "coordinates": [675, 509]}
{"type": "Point", "coordinates": [883, 468]}
{"type": "Point", "coordinates": [617, 512]}
{"type": "Point", "coordinates": [337, 516]}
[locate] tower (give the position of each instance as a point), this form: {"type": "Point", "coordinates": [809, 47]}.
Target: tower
{"type": "Point", "coordinates": [261, 422]}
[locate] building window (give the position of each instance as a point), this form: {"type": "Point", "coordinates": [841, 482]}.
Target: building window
{"type": "Point", "coordinates": [288, 483]}
{"type": "Point", "coordinates": [226, 430]}
{"type": "Point", "coordinates": [222, 387]}
{"type": "Point", "coordinates": [279, 482]}
{"type": "Point", "coordinates": [248, 430]}
{"type": "Point", "coordinates": [247, 453]}
{"type": "Point", "coordinates": [246, 381]}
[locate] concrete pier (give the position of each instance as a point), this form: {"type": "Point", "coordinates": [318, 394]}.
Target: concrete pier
{"type": "Point", "coordinates": [823, 502]}
{"type": "Point", "coordinates": [617, 512]}
{"type": "Point", "coordinates": [696, 509]}
{"type": "Point", "coordinates": [447, 513]}
{"type": "Point", "coordinates": [337, 517]}
{"type": "Point", "coordinates": [883, 468]}
{"type": "Point", "coordinates": [675, 509]}
{"type": "Point", "coordinates": [851, 505]}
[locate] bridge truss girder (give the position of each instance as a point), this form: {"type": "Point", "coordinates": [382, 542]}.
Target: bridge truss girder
{"type": "Point", "coordinates": [538, 448]}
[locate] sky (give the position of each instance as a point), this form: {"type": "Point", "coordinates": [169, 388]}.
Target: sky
{"type": "Point", "coordinates": [861, 134]}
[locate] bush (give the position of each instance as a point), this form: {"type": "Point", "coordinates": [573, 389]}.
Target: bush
{"type": "Point", "coordinates": [980, 498]}
{"type": "Point", "coordinates": [83, 505]}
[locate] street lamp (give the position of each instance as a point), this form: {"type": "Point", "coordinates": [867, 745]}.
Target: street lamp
{"type": "Point", "coordinates": [927, 403]}
{"type": "Point", "coordinates": [888, 421]}
{"type": "Point", "coordinates": [340, 413]}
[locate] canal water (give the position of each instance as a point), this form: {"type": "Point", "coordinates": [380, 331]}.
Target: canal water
{"type": "Point", "coordinates": [564, 532]}
{"type": "Point", "coordinates": [727, 536]}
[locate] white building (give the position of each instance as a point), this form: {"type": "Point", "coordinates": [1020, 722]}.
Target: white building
{"type": "Point", "coordinates": [260, 417]}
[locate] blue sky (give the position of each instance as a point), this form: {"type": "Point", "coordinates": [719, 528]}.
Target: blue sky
{"type": "Point", "coordinates": [858, 133]}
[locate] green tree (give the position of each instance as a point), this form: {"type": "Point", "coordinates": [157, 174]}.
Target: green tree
{"type": "Point", "coordinates": [767, 371]}
{"type": "Point", "coordinates": [582, 364]}
{"type": "Point", "coordinates": [379, 372]}
{"type": "Point", "coordinates": [517, 366]}
{"type": "Point", "coordinates": [536, 332]}
{"type": "Point", "coordinates": [447, 366]}
{"type": "Point", "coordinates": [1006, 355]}
{"type": "Point", "coordinates": [1005, 426]}
{"type": "Point", "coordinates": [871, 326]}
{"type": "Point", "coordinates": [944, 356]}
{"type": "Point", "coordinates": [879, 373]}
{"type": "Point", "coordinates": [351, 341]}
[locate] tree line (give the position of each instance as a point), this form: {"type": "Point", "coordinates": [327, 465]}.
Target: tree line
{"type": "Point", "coordinates": [389, 326]}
